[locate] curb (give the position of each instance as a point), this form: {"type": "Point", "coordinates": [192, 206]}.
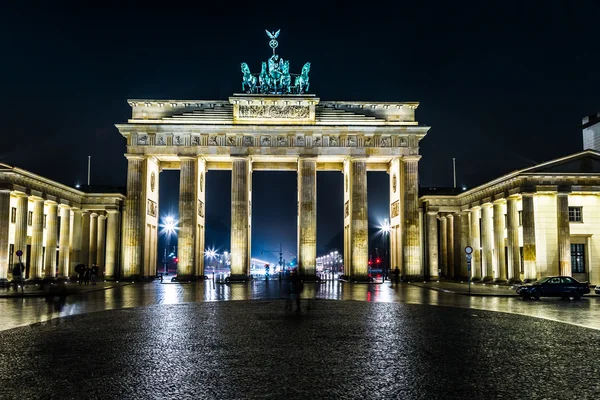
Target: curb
{"type": "Point", "coordinates": [21, 296]}
{"type": "Point", "coordinates": [466, 293]}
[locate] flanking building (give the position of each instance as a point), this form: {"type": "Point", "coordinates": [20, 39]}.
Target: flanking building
{"type": "Point", "coordinates": [56, 226]}
{"type": "Point", "coordinates": [538, 221]}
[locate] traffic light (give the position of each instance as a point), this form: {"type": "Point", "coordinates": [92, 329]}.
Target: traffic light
{"type": "Point", "coordinates": [378, 261]}
{"type": "Point", "coordinates": [370, 262]}
{"type": "Point", "coordinates": [177, 259]}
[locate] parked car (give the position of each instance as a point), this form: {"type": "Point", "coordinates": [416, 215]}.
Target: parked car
{"type": "Point", "coordinates": [554, 286]}
{"type": "Point", "coordinates": [597, 290]}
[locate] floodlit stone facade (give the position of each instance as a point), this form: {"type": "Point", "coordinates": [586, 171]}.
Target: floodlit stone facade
{"type": "Point", "coordinates": [270, 132]}
{"type": "Point", "coordinates": [56, 227]}
{"type": "Point", "coordinates": [539, 221]}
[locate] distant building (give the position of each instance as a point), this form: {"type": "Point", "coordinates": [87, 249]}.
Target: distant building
{"type": "Point", "coordinates": [591, 132]}
{"type": "Point", "coordinates": [538, 221]}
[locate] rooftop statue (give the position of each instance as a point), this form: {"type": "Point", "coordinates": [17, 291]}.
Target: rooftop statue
{"type": "Point", "coordinates": [275, 76]}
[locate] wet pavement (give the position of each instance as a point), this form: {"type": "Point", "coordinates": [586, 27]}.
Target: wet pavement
{"type": "Point", "coordinates": [256, 349]}
{"type": "Point", "coordinates": [17, 312]}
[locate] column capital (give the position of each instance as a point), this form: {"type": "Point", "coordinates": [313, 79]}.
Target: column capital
{"type": "Point", "coordinates": [411, 158]}
{"type": "Point", "coordinates": [500, 201]}
{"type": "Point", "coordinates": [50, 202]}
{"type": "Point", "coordinates": [514, 197]}
{"type": "Point", "coordinates": [134, 156]}
{"type": "Point", "coordinates": [36, 198]}
{"type": "Point", "coordinates": [19, 194]}
{"type": "Point", "coordinates": [562, 193]}
{"type": "Point", "coordinates": [431, 212]}
{"type": "Point", "coordinates": [188, 158]}
{"type": "Point", "coordinates": [112, 211]}
{"type": "Point", "coordinates": [68, 207]}
{"type": "Point", "coordinates": [475, 208]}
{"type": "Point", "coordinates": [101, 216]}
{"type": "Point", "coordinates": [528, 194]}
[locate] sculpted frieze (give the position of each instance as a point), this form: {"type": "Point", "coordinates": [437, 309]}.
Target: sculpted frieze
{"type": "Point", "coordinates": [161, 140]}
{"type": "Point", "coordinates": [317, 141]}
{"type": "Point", "coordinates": [143, 140]}
{"type": "Point", "coordinates": [385, 141]}
{"type": "Point", "coordinates": [195, 140]}
{"type": "Point", "coordinates": [265, 141]}
{"type": "Point", "coordinates": [274, 111]}
{"type": "Point", "coordinates": [282, 141]}
{"type": "Point", "coordinates": [212, 141]}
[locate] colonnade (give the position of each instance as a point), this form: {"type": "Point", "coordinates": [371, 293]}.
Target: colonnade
{"type": "Point", "coordinates": [60, 236]}
{"type": "Point", "coordinates": [191, 217]}
{"type": "Point", "coordinates": [502, 233]}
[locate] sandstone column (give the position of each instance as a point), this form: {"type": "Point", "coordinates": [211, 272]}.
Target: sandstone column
{"type": "Point", "coordinates": [458, 252]}
{"type": "Point", "coordinates": [444, 244]}
{"type": "Point", "coordinates": [432, 244]}
{"type": "Point", "coordinates": [200, 217]}
{"type": "Point", "coordinates": [464, 242]}
{"type": "Point", "coordinates": [37, 239]}
{"type": "Point", "coordinates": [307, 216]}
{"type": "Point", "coordinates": [487, 245]}
{"type": "Point", "coordinates": [529, 257]}
{"type": "Point", "coordinates": [187, 209]}
{"type": "Point", "coordinates": [564, 234]}
{"type": "Point", "coordinates": [412, 229]}
{"type": "Point", "coordinates": [499, 254]}
{"type": "Point", "coordinates": [4, 227]}
{"type": "Point", "coordinates": [360, 223]}
{"type": "Point", "coordinates": [132, 233]}
{"type": "Point", "coordinates": [75, 240]}
{"type": "Point", "coordinates": [51, 240]}
{"type": "Point", "coordinates": [450, 245]}
{"type": "Point", "coordinates": [112, 243]}
{"type": "Point", "coordinates": [21, 229]}
{"type": "Point", "coordinates": [240, 262]}
{"type": "Point", "coordinates": [85, 238]}
{"type": "Point", "coordinates": [475, 244]}
{"type": "Point", "coordinates": [93, 239]}
{"type": "Point", "coordinates": [512, 231]}
{"type": "Point", "coordinates": [63, 245]}
{"type": "Point", "coordinates": [101, 245]}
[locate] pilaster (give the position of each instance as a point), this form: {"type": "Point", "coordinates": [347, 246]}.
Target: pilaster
{"type": "Point", "coordinates": [93, 246]}
{"type": "Point", "coordinates": [487, 245]}
{"type": "Point", "coordinates": [63, 245]}
{"type": "Point", "coordinates": [307, 216]}
{"type": "Point", "coordinates": [21, 229]}
{"type": "Point", "coordinates": [200, 215]}
{"type": "Point", "coordinates": [444, 244]}
{"type": "Point", "coordinates": [512, 232]}
{"type": "Point", "coordinates": [450, 245]}
{"type": "Point", "coordinates": [75, 241]}
{"type": "Point", "coordinates": [51, 239]}
{"type": "Point", "coordinates": [37, 239]}
{"type": "Point", "coordinates": [112, 243]}
{"type": "Point", "coordinates": [85, 238]}
{"type": "Point", "coordinates": [464, 242]}
{"type": "Point", "coordinates": [499, 255]}
{"type": "Point", "coordinates": [432, 244]}
{"type": "Point", "coordinates": [4, 230]}
{"type": "Point", "coordinates": [529, 257]}
{"type": "Point", "coordinates": [564, 234]}
{"type": "Point", "coordinates": [101, 245]}
{"type": "Point", "coordinates": [475, 240]}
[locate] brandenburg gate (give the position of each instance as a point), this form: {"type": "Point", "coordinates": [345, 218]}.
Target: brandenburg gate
{"type": "Point", "coordinates": [273, 125]}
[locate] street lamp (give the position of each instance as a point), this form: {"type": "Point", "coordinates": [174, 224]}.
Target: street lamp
{"type": "Point", "coordinates": [168, 227]}
{"type": "Point", "coordinates": [385, 230]}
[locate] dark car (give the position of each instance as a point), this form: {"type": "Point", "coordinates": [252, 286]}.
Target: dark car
{"type": "Point", "coordinates": [554, 286]}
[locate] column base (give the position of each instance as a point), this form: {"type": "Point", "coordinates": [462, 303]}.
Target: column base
{"type": "Point", "coordinates": [529, 280]}
{"type": "Point", "coordinates": [486, 279]}
{"type": "Point", "coordinates": [500, 280]}
{"type": "Point", "coordinates": [237, 278]}
{"type": "Point", "coordinates": [514, 281]}
{"type": "Point", "coordinates": [434, 278]}
{"type": "Point", "coordinates": [475, 279]}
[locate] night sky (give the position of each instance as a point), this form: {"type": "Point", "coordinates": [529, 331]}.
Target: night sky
{"type": "Point", "coordinates": [503, 85]}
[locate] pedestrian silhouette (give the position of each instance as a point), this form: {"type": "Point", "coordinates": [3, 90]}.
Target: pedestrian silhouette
{"type": "Point", "coordinates": [396, 275]}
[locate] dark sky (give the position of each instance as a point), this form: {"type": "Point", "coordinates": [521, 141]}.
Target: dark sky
{"type": "Point", "coordinates": [504, 85]}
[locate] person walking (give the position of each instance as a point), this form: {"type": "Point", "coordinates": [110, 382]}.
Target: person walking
{"type": "Point", "coordinates": [86, 275]}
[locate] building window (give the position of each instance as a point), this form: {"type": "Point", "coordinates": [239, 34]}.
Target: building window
{"type": "Point", "coordinates": [13, 215]}
{"type": "Point", "coordinates": [30, 218]}
{"type": "Point", "coordinates": [45, 221]}
{"type": "Point", "coordinates": [520, 218]}
{"type": "Point", "coordinates": [577, 258]}
{"type": "Point", "coordinates": [575, 214]}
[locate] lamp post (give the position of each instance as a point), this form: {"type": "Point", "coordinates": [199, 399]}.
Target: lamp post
{"type": "Point", "coordinates": [169, 226]}
{"type": "Point", "coordinates": [385, 231]}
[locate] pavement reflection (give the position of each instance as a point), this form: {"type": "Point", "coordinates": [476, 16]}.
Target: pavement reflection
{"type": "Point", "coordinates": [24, 311]}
